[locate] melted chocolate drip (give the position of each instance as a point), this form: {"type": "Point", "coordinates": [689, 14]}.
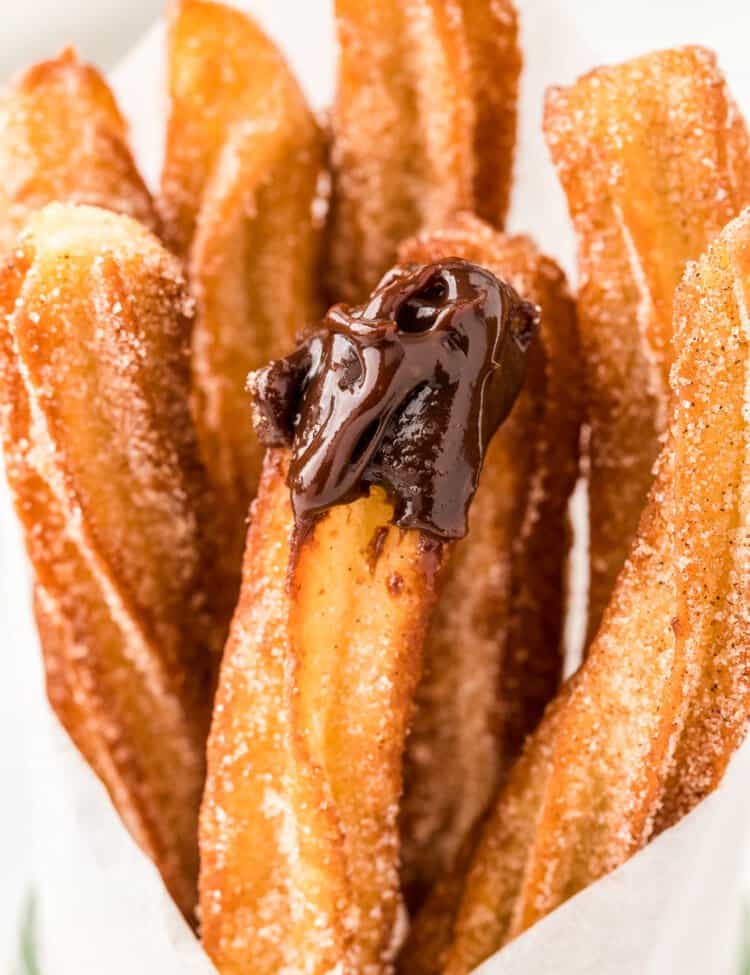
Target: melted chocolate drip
{"type": "Point", "coordinates": [404, 392]}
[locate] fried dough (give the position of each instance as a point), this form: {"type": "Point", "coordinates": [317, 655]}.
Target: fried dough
{"type": "Point", "coordinates": [240, 180]}
{"type": "Point", "coordinates": [713, 621]}
{"type": "Point", "coordinates": [647, 726]}
{"type": "Point", "coordinates": [101, 456]}
{"type": "Point", "coordinates": [652, 155]}
{"type": "Point", "coordinates": [423, 126]}
{"type": "Point", "coordinates": [378, 425]}
{"type": "Point", "coordinates": [62, 138]}
{"type": "Point", "coordinates": [494, 653]}
{"type": "Point", "coordinates": [299, 832]}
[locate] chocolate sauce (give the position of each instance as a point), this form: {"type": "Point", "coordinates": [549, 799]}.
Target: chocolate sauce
{"type": "Point", "coordinates": [404, 391]}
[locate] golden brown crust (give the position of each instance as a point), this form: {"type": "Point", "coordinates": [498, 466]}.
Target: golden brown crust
{"type": "Point", "coordinates": [272, 867]}
{"type": "Point", "coordinates": [580, 800]}
{"type": "Point", "coordinates": [710, 377]}
{"type": "Point", "coordinates": [649, 154]}
{"type": "Point", "coordinates": [315, 694]}
{"type": "Point", "coordinates": [495, 55]}
{"type": "Point", "coordinates": [494, 655]}
{"type": "Point", "coordinates": [647, 726]}
{"type": "Point", "coordinates": [101, 456]}
{"type": "Point", "coordinates": [243, 160]}
{"type": "Point", "coordinates": [423, 86]}
{"type": "Point", "coordinates": [62, 138]}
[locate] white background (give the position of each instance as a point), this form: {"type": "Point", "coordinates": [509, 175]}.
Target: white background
{"type": "Point", "coordinates": [105, 29]}
{"type": "Point", "coordinates": [559, 41]}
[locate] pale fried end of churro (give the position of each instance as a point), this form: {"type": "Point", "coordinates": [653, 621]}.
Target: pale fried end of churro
{"type": "Point", "coordinates": [710, 378]}
{"type": "Point", "coordinates": [648, 725]}
{"type": "Point", "coordinates": [243, 161]}
{"type": "Point", "coordinates": [62, 138]}
{"type": "Point", "coordinates": [494, 653]}
{"type": "Point", "coordinates": [650, 155]}
{"type": "Point", "coordinates": [299, 836]}
{"type": "Point", "coordinates": [423, 126]}
{"type": "Point", "coordinates": [102, 460]}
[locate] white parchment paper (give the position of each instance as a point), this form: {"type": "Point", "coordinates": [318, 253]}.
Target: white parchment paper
{"type": "Point", "coordinates": [673, 908]}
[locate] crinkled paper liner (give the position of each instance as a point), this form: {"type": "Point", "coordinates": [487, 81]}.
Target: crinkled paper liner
{"type": "Point", "coordinates": [676, 906]}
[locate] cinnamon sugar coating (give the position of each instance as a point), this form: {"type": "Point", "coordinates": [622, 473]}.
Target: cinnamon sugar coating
{"type": "Point", "coordinates": [653, 156]}
{"type": "Point", "coordinates": [710, 383]}
{"type": "Point", "coordinates": [423, 126]}
{"type": "Point", "coordinates": [494, 653]}
{"type": "Point", "coordinates": [238, 193]}
{"type": "Point", "coordinates": [101, 456]}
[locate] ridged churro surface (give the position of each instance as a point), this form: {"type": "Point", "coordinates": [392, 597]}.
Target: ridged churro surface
{"type": "Point", "coordinates": [239, 187]}
{"type": "Point", "coordinates": [652, 155]}
{"type": "Point", "coordinates": [494, 654]}
{"type": "Point", "coordinates": [423, 126]}
{"type": "Point", "coordinates": [102, 460]}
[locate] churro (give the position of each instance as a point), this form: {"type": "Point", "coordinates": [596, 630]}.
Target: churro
{"type": "Point", "coordinates": [423, 126]}
{"type": "Point", "coordinates": [239, 185]}
{"type": "Point", "coordinates": [494, 653]}
{"type": "Point", "coordinates": [63, 139]}
{"type": "Point", "coordinates": [648, 724]}
{"type": "Point", "coordinates": [300, 858]}
{"type": "Point", "coordinates": [652, 155]}
{"type": "Point", "coordinates": [712, 622]}
{"type": "Point", "coordinates": [102, 460]}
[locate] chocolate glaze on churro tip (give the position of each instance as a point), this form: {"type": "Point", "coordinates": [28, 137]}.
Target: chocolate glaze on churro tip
{"type": "Point", "coordinates": [404, 391]}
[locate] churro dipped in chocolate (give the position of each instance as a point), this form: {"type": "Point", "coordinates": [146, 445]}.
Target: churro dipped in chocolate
{"type": "Point", "coordinates": [654, 158]}
{"type": "Point", "coordinates": [378, 426]}
{"type": "Point", "coordinates": [102, 460]}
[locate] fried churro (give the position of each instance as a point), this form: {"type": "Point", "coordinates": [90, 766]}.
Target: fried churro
{"type": "Point", "coordinates": [102, 460]}
{"type": "Point", "coordinates": [300, 858]}
{"type": "Point", "coordinates": [494, 653]}
{"type": "Point", "coordinates": [423, 126]}
{"type": "Point", "coordinates": [239, 185]}
{"type": "Point", "coordinates": [652, 155]}
{"type": "Point", "coordinates": [648, 724]}
{"type": "Point", "coordinates": [712, 621]}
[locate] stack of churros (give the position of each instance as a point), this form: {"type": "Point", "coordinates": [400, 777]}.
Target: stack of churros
{"type": "Point", "coordinates": [301, 577]}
